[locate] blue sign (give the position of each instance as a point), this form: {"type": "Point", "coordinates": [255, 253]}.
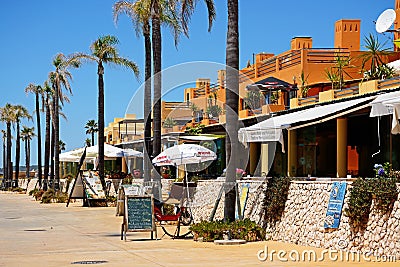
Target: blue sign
{"type": "Point", "coordinates": [335, 205]}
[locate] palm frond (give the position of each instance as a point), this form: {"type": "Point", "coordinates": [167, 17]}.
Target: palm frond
{"type": "Point", "coordinates": [128, 64]}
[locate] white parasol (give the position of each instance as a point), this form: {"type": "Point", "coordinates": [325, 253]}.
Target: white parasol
{"type": "Point", "coordinates": [184, 154]}
{"type": "Point", "coordinates": [109, 151]}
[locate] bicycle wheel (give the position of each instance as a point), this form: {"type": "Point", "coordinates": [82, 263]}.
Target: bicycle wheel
{"type": "Point", "coordinates": [186, 217]}
{"type": "Point", "coordinates": [176, 231]}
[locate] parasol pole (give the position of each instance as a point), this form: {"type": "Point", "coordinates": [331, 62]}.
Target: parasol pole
{"type": "Point", "coordinates": [187, 187]}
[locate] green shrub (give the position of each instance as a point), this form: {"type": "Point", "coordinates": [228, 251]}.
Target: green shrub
{"type": "Point", "coordinates": [240, 229]}
{"type": "Point", "coordinates": [18, 189]}
{"type": "Point", "coordinates": [275, 198]}
{"type": "Point", "coordinates": [48, 196]}
{"type": "Point", "coordinates": [61, 197]}
{"type": "Point", "coordinates": [37, 193]}
{"type": "Point", "coordinates": [383, 190]}
{"type": "Point", "coordinates": [359, 203]}
{"type": "Point", "coordinates": [33, 192]}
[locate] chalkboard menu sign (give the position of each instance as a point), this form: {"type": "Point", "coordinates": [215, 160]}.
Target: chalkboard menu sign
{"type": "Point", "coordinates": [139, 214]}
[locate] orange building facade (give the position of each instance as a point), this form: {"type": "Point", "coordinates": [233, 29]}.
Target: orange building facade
{"type": "Point", "coordinates": [303, 67]}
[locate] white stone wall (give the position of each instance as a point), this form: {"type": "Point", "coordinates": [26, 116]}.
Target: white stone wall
{"type": "Point", "coordinates": [206, 195]}
{"type": "Point", "coordinates": [303, 223]}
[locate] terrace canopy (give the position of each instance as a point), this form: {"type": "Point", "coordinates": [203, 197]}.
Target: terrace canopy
{"type": "Point", "coordinates": [270, 130]}
{"type": "Point", "coordinates": [271, 84]}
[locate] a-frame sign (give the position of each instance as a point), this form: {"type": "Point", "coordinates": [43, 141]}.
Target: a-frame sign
{"type": "Point", "coordinates": [78, 188]}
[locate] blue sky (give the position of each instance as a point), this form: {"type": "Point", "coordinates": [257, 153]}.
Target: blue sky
{"type": "Point", "coordinates": [33, 32]}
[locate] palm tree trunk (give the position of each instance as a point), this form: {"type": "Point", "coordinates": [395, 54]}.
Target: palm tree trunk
{"type": "Point", "coordinates": [17, 154]}
{"type": "Point", "coordinates": [156, 41]}
{"type": "Point", "coordinates": [56, 137]}
{"type": "Point", "coordinates": [47, 145]}
{"type": "Point", "coordinates": [39, 136]}
{"type": "Point", "coordinates": [52, 149]}
{"type": "Point", "coordinates": [27, 158]}
{"type": "Point", "coordinates": [5, 172]}
{"type": "Point", "coordinates": [92, 138]}
{"type": "Point", "coordinates": [232, 100]}
{"type": "Point", "coordinates": [147, 104]}
{"type": "Point", "coordinates": [8, 156]}
{"type": "Point", "coordinates": [100, 136]}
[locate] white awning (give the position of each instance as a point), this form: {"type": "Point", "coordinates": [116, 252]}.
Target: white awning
{"type": "Point", "coordinates": [271, 129]}
{"type": "Point", "coordinates": [383, 104]}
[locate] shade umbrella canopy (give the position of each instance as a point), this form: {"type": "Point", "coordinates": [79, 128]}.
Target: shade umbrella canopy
{"type": "Point", "coordinates": [71, 156]}
{"type": "Point", "coordinates": [383, 104]}
{"type": "Point", "coordinates": [271, 84]}
{"type": "Point", "coordinates": [129, 152]}
{"type": "Point", "coordinates": [109, 151]}
{"type": "Point", "coordinates": [74, 156]}
{"type": "Point", "coordinates": [184, 154]}
{"type": "Point", "coordinates": [67, 157]}
{"type": "Point", "coordinates": [388, 104]}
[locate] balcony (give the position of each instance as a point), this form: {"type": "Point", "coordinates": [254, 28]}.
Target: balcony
{"type": "Point", "coordinates": [362, 88]}
{"type": "Point", "coordinates": [294, 58]}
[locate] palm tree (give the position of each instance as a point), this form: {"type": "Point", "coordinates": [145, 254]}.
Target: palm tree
{"type": "Point", "coordinates": [27, 133]}
{"type": "Point", "coordinates": [47, 100]}
{"type": "Point", "coordinates": [187, 9]}
{"type": "Point", "coordinates": [91, 128]}
{"type": "Point", "coordinates": [88, 142]}
{"type": "Point", "coordinates": [61, 145]}
{"type": "Point", "coordinates": [7, 115]}
{"type": "Point", "coordinates": [104, 51]}
{"type": "Point", "coordinates": [232, 102]}
{"type": "Point", "coordinates": [375, 55]}
{"type": "Point", "coordinates": [61, 77]}
{"type": "Point", "coordinates": [140, 13]}
{"type": "Point", "coordinates": [37, 90]}
{"type": "Point", "coordinates": [158, 12]}
{"type": "Point", "coordinates": [337, 72]}
{"type": "Point", "coordinates": [20, 112]}
{"type": "Point", "coordinates": [50, 142]}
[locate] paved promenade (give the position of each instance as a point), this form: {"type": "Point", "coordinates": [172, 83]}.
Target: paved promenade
{"type": "Point", "coordinates": [34, 234]}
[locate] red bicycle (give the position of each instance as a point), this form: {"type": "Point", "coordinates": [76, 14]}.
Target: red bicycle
{"type": "Point", "coordinates": [176, 223]}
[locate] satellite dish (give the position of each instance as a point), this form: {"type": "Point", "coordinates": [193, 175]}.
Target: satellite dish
{"type": "Point", "coordinates": [385, 20]}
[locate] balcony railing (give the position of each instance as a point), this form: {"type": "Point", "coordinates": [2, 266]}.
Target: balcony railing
{"type": "Point", "coordinates": [290, 59]}
{"type": "Point", "coordinates": [293, 58]}
{"type": "Point", "coordinates": [346, 92]}
{"type": "Point", "coordinates": [389, 83]}
{"type": "Point", "coordinates": [326, 56]}
{"type": "Point", "coordinates": [173, 105]}
{"type": "Point", "coordinates": [308, 100]}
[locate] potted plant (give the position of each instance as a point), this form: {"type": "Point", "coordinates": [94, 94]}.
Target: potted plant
{"type": "Point", "coordinates": [165, 172]}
